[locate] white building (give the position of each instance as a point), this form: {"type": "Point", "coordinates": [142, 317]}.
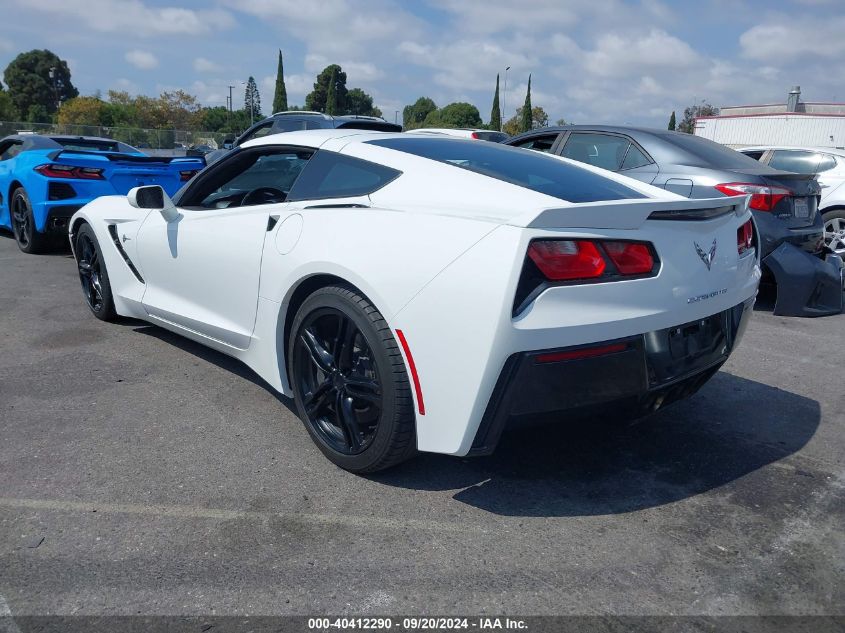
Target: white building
{"type": "Point", "coordinates": [792, 123]}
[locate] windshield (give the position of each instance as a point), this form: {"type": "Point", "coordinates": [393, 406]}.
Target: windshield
{"type": "Point", "coordinates": [525, 168]}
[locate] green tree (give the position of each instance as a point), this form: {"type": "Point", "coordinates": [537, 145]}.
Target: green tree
{"type": "Point", "coordinates": [525, 123]}
{"type": "Point", "coordinates": [687, 124]}
{"type": "Point", "coordinates": [414, 115]}
{"type": "Point", "coordinates": [331, 95]}
{"type": "Point", "coordinates": [539, 118]}
{"type": "Point", "coordinates": [8, 112]}
{"type": "Point", "coordinates": [214, 119]}
{"type": "Point", "coordinates": [359, 102]}
{"type": "Point", "coordinates": [39, 78]}
{"type": "Point", "coordinates": [37, 113]}
{"type": "Point", "coordinates": [81, 111]}
{"type": "Point", "coordinates": [454, 115]}
{"type": "Point", "coordinates": [316, 99]}
{"type": "Point", "coordinates": [496, 113]}
{"type": "Point", "coordinates": [252, 99]}
{"type": "Point", "coordinates": [672, 121]}
{"type": "Point", "coordinates": [280, 97]}
{"type": "Point", "coordinates": [560, 121]}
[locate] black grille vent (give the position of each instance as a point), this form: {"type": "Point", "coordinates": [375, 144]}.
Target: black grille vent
{"type": "Point", "coordinates": [60, 191]}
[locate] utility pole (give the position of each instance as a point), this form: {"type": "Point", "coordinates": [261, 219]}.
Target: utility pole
{"type": "Point", "coordinates": [396, 118]}
{"type": "Point", "coordinates": [230, 99]}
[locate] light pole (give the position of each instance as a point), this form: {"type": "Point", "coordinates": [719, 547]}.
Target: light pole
{"type": "Point", "coordinates": [52, 74]}
{"type": "Point", "coordinates": [504, 101]}
{"type": "Point", "coordinates": [230, 99]}
{"type": "Point", "coordinates": [396, 117]}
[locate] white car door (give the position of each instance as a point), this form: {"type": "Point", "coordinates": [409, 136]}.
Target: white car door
{"type": "Point", "coordinates": [202, 269]}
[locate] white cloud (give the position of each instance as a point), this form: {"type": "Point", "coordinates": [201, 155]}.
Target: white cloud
{"type": "Point", "coordinates": [141, 59]}
{"type": "Point", "coordinates": [133, 17]}
{"type": "Point", "coordinates": [785, 38]}
{"type": "Point", "coordinates": [618, 55]}
{"type": "Point", "coordinates": [203, 65]}
{"type": "Point", "coordinates": [125, 85]}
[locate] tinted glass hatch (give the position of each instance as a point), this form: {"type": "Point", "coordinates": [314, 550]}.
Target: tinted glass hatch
{"type": "Point", "coordinates": [533, 170]}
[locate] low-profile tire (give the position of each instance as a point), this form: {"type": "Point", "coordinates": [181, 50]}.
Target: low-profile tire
{"type": "Point", "coordinates": [93, 274]}
{"type": "Point", "coordinates": [349, 381]}
{"type": "Point", "coordinates": [834, 230]}
{"type": "Point", "coordinates": [29, 239]}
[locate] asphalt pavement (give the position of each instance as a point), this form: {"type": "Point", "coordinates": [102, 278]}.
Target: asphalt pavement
{"type": "Point", "coordinates": [141, 473]}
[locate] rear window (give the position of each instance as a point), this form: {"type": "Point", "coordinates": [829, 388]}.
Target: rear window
{"type": "Point", "coordinates": [87, 145]}
{"type": "Point", "coordinates": [702, 152]}
{"type": "Point", "coordinates": [533, 170]}
{"type": "Point", "coordinates": [494, 137]}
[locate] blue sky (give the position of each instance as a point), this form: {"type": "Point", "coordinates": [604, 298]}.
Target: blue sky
{"type": "Point", "coordinates": [602, 61]}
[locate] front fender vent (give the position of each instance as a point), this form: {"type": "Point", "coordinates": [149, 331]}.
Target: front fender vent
{"type": "Point", "coordinates": [119, 246]}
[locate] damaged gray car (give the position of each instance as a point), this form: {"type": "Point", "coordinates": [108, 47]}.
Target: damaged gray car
{"type": "Point", "coordinates": [809, 276]}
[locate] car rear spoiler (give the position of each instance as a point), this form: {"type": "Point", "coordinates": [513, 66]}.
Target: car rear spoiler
{"type": "Point", "coordinates": [631, 214]}
{"type": "Point", "coordinates": [117, 156]}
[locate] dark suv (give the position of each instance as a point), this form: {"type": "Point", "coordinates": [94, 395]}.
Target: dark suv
{"type": "Point", "coordinates": [294, 120]}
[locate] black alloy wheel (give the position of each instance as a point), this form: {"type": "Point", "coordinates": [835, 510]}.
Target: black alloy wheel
{"type": "Point", "coordinates": [93, 275]}
{"type": "Point", "coordinates": [342, 394]}
{"type": "Point", "coordinates": [349, 381]}
{"type": "Point", "coordinates": [23, 224]}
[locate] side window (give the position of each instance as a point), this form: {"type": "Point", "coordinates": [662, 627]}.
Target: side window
{"type": "Point", "coordinates": [602, 150]}
{"type": "Point", "coordinates": [260, 176]}
{"type": "Point", "coordinates": [333, 175]}
{"type": "Point", "coordinates": [634, 158]}
{"type": "Point", "coordinates": [756, 154]}
{"type": "Point", "coordinates": [826, 163]}
{"type": "Point", "coordinates": [10, 150]}
{"type": "Point", "coordinates": [795, 161]}
{"type": "Point", "coordinates": [540, 143]}
{"type": "Point", "coordinates": [257, 132]}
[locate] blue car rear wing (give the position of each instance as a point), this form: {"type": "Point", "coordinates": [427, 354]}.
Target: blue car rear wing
{"type": "Point", "coordinates": [132, 158]}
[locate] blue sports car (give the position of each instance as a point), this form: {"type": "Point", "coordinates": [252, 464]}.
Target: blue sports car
{"type": "Point", "coordinates": [45, 179]}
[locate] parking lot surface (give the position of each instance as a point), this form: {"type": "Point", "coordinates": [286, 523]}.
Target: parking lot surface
{"type": "Point", "coordinates": [143, 473]}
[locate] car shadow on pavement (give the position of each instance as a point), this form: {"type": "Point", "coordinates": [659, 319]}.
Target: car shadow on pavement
{"type": "Point", "coordinates": [561, 467]}
{"type": "Point", "coordinates": [731, 428]}
{"type": "Point", "coordinates": [207, 354]}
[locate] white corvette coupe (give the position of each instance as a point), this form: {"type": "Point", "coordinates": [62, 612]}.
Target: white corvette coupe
{"type": "Point", "coordinates": [415, 292]}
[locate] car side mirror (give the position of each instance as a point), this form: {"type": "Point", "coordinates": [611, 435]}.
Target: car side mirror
{"type": "Point", "coordinates": [153, 197]}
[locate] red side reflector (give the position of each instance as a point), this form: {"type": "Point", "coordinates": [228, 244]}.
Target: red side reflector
{"type": "Point", "coordinates": [413, 368]}
{"type": "Point", "coordinates": [745, 237]}
{"type": "Point", "coordinates": [565, 260]}
{"type": "Point", "coordinates": [631, 258]}
{"type": "Point", "coordinates": [577, 354]}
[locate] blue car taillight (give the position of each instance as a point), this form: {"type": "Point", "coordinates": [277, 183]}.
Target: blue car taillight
{"type": "Point", "coordinates": [56, 170]}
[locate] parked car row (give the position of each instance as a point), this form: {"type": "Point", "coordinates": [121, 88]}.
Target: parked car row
{"type": "Point", "coordinates": [416, 291]}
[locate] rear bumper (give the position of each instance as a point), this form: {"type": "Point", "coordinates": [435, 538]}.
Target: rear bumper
{"type": "Point", "coordinates": [806, 285]}
{"type": "Point", "coordinates": [774, 232]}
{"type": "Point", "coordinates": [652, 370]}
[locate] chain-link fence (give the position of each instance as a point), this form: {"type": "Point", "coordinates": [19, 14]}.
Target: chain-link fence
{"type": "Point", "coordinates": [143, 139]}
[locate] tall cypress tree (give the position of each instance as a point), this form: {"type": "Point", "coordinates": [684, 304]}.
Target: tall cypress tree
{"type": "Point", "coordinates": [280, 98]}
{"type": "Point", "coordinates": [672, 121]}
{"type": "Point", "coordinates": [496, 113]}
{"type": "Point", "coordinates": [331, 94]}
{"type": "Point", "coordinates": [526, 121]}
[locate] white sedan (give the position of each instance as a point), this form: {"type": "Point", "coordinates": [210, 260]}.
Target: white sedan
{"type": "Point", "coordinates": [415, 292]}
{"type": "Point", "coordinates": [828, 164]}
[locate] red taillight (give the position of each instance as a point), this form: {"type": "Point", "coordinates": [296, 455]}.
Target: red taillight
{"type": "Point", "coordinates": [745, 237]}
{"type": "Point", "coordinates": [631, 258]}
{"type": "Point", "coordinates": [185, 176]}
{"type": "Point", "coordinates": [54, 170]}
{"type": "Point", "coordinates": [577, 354]}
{"type": "Point", "coordinates": [569, 260]}
{"type": "Point", "coordinates": [763, 198]}
{"type": "Point", "coordinates": [565, 260]}
{"type": "Point", "coordinates": [474, 135]}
